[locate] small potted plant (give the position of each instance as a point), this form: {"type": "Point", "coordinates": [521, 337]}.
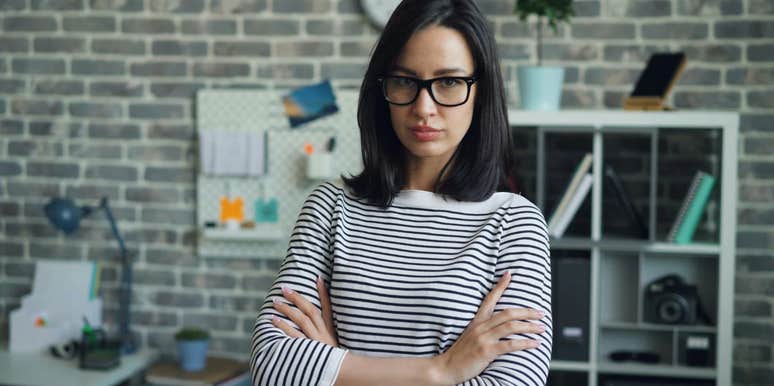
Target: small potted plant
{"type": "Point", "coordinates": [540, 87]}
{"type": "Point", "coordinates": [192, 343]}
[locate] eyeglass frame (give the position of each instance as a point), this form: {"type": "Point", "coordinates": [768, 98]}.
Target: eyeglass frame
{"type": "Point", "coordinates": [426, 84]}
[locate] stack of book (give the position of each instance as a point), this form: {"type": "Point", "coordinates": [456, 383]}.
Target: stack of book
{"type": "Point", "coordinates": [218, 372]}
{"type": "Point", "coordinates": [692, 209]}
{"type": "Point", "coordinates": [573, 196]}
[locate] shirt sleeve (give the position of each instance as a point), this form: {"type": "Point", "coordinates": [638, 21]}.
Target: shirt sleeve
{"type": "Point", "coordinates": [277, 359]}
{"type": "Point", "coordinates": [524, 251]}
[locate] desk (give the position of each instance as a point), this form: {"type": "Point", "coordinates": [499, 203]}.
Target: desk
{"type": "Point", "coordinates": [42, 369]}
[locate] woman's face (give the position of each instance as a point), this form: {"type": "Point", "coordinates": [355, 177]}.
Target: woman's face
{"type": "Point", "coordinates": [428, 130]}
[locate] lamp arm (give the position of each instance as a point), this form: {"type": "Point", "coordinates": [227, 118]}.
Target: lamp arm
{"type": "Point", "coordinates": [122, 247]}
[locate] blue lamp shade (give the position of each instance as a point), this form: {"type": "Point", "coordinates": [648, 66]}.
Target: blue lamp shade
{"type": "Point", "coordinates": [64, 214]}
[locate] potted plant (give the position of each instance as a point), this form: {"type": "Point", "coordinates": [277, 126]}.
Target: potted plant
{"type": "Point", "coordinates": [192, 345]}
{"type": "Point", "coordinates": [540, 87]}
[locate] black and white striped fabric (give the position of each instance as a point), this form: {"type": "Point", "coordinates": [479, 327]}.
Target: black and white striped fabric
{"type": "Point", "coordinates": [405, 282]}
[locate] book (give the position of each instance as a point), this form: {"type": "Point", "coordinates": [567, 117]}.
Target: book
{"type": "Point", "coordinates": [577, 198]}
{"type": "Point", "coordinates": [218, 371]}
{"type": "Point", "coordinates": [308, 103]}
{"type": "Point", "coordinates": [692, 208]}
{"type": "Point", "coordinates": [580, 171]}
{"type": "Point", "coordinates": [616, 185]}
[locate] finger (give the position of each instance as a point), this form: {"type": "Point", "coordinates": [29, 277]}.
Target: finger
{"type": "Point", "coordinates": [487, 306]}
{"type": "Point", "coordinates": [512, 314]}
{"type": "Point", "coordinates": [515, 327]}
{"type": "Point", "coordinates": [512, 345]}
{"type": "Point", "coordinates": [309, 309]}
{"type": "Point", "coordinates": [325, 303]}
{"type": "Point", "coordinates": [286, 328]}
{"type": "Point", "coordinates": [298, 317]}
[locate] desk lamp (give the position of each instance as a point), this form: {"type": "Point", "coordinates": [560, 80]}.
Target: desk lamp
{"type": "Point", "coordinates": [66, 216]}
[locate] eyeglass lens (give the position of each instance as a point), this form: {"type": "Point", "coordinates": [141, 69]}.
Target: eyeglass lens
{"type": "Point", "coordinates": [444, 91]}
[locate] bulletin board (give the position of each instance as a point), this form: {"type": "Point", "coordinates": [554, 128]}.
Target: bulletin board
{"type": "Point", "coordinates": [285, 178]}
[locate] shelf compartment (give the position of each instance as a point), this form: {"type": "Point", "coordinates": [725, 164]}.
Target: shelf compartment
{"type": "Point", "coordinates": [618, 287]}
{"type": "Point", "coordinates": [657, 342]}
{"type": "Point", "coordinates": [656, 370]}
{"type": "Point", "coordinates": [709, 250]}
{"type": "Point", "coordinates": [614, 325]}
{"type": "Point", "coordinates": [567, 378]}
{"type": "Point", "coordinates": [569, 365]}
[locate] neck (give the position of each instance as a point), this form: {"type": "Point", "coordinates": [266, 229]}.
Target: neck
{"type": "Point", "coordinates": [423, 173]}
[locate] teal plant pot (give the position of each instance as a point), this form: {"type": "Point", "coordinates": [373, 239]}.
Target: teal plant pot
{"type": "Point", "coordinates": [540, 87]}
{"type": "Point", "coordinates": [192, 354]}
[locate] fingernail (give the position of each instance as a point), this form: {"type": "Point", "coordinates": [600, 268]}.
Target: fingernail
{"type": "Point", "coordinates": [534, 344]}
{"type": "Point", "coordinates": [275, 301]}
{"type": "Point", "coordinates": [541, 328]}
{"type": "Point", "coordinates": [541, 314]}
{"type": "Point", "coordinates": [275, 319]}
{"type": "Point", "coordinates": [319, 279]}
{"type": "Point", "coordinates": [286, 290]}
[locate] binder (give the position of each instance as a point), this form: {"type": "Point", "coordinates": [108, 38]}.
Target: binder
{"type": "Point", "coordinates": [692, 209]}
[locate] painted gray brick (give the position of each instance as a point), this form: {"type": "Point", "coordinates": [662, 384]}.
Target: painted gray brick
{"type": "Point", "coordinates": [169, 174]}
{"type": "Point", "coordinates": [153, 153]}
{"type": "Point", "coordinates": [10, 168]}
{"type": "Point", "coordinates": [100, 151]}
{"type": "Point", "coordinates": [228, 344]}
{"type": "Point", "coordinates": [177, 6]}
{"type": "Point", "coordinates": [602, 30]}
{"type": "Point", "coordinates": [747, 352]}
{"type": "Point", "coordinates": [176, 89]}
{"type": "Point", "coordinates": [342, 70]}
{"type": "Point", "coordinates": [153, 318]}
{"type": "Point", "coordinates": [89, 23]}
{"type": "Point", "coordinates": [750, 76]}
{"type": "Point", "coordinates": [58, 5]}
{"type": "Point", "coordinates": [32, 189]}
{"type": "Point", "coordinates": [153, 277]}
{"type": "Point", "coordinates": [59, 87]}
{"type": "Point", "coordinates": [610, 76]}
{"type": "Point", "coordinates": [15, 290]}
{"type": "Point", "coordinates": [11, 249]}
{"type": "Point", "coordinates": [349, 6]}
{"type": "Point", "coordinates": [756, 263]}
{"type": "Point", "coordinates": [11, 127]}
{"type": "Point", "coordinates": [700, 76]}
{"type": "Point", "coordinates": [303, 49]}
{"type": "Point", "coordinates": [713, 52]}
{"type": "Point", "coordinates": [221, 70]}
{"type": "Point", "coordinates": [259, 283]}
{"type": "Point", "coordinates": [13, 5]}
{"type": "Point", "coordinates": [96, 110]}
{"type": "Point", "coordinates": [116, 89]}
{"type": "Point", "coordinates": [759, 146]}
{"type": "Point", "coordinates": [3, 66]}
{"type": "Point", "coordinates": [761, 99]}
{"type": "Point", "coordinates": [182, 132]}
{"type": "Point", "coordinates": [756, 169]}
{"type": "Point", "coordinates": [753, 330]}
{"type": "Point", "coordinates": [81, 191]}
{"type": "Point", "coordinates": [112, 172]}
{"type": "Point", "coordinates": [113, 131]}
{"type": "Point", "coordinates": [14, 229]}
{"type": "Point", "coordinates": [36, 107]}
{"type": "Point", "coordinates": [20, 270]}
{"type": "Point", "coordinates": [675, 30]}
{"type": "Point", "coordinates": [27, 148]}
{"type": "Point", "coordinates": [14, 44]}
{"type": "Point", "coordinates": [148, 26]}
{"type": "Point", "coordinates": [513, 51]}
{"type": "Point", "coordinates": [639, 8]}
{"type": "Point", "coordinates": [57, 251]}
{"type": "Point", "coordinates": [334, 27]}
{"type": "Point", "coordinates": [209, 280]}
{"type": "Point", "coordinates": [301, 6]}
{"type": "Point", "coordinates": [286, 71]}
{"type": "Point", "coordinates": [760, 52]}
{"type": "Point", "coordinates": [250, 49]}
{"type": "Point", "coordinates": [38, 66]}
{"type": "Point", "coordinates": [272, 27]}
{"type": "Point", "coordinates": [744, 29]}
{"type": "Point", "coordinates": [168, 216]}
{"type": "Point", "coordinates": [118, 46]}
{"type": "Point", "coordinates": [571, 52]}
{"type": "Point", "coordinates": [217, 322]}
{"type": "Point", "coordinates": [495, 7]}
{"type": "Point", "coordinates": [763, 123]}
{"type": "Point", "coordinates": [29, 23]}
{"type": "Point", "coordinates": [708, 8]}
{"type": "Point", "coordinates": [713, 99]}
{"type": "Point", "coordinates": [152, 195]}
{"type": "Point", "coordinates": [117, 5]}
{"type": "Point", "coordinates": [517, 29]}
{"type": "Point", "coordinates": [584, 8]}
{"type": "Point", "coordinates": [161, 69]}
{"type": "Point", "coordinates": [578, 98]}
{"type": "Point", "coordinates": [757, 216]}
{"type": "Point", "coordinates": [172, 257]}
{"type": "Point", "coordinates": [235, 303]}
{"type": "Point", "coordinates": [178, 299]}
{"type": "Point", "coordinates": [209, 27]}
{"type": "Point", "coordinates": [237, 6]}
{"type": "Point", "coordinates": [3, 106]}
{"type": "Point", "coordinates": [53, 169]}
{"type": "Point", "coordinates": [57, 44]}
{"type": "Point", "coordinates": [359, 48]}
{"type": "Point", "coordinates": [9, 209]}
{"type": "Point", "coordinates": [12, 86]}
{"type": "Point", "coordinates": [155, 111]}
{"type": "Point", "coordinates": [98, 67]}
{"type": "Point", "coordinates": [179, 48]}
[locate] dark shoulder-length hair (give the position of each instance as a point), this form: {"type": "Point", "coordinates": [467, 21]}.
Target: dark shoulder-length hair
{"type": "Point", "coordinates": [481, 163]}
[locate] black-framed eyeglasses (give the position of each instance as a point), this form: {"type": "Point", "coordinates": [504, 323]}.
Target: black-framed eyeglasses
{"type": "Point", "coordinates": [448, 91]}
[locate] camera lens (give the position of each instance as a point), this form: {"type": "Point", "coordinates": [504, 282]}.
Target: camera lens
{"type": "Point", "coordinates": [671, 309]}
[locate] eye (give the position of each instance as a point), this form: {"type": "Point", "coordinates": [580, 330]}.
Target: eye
{"type": "Point", "coordinates": [403, 82]}
{"type": "Point", "coordinates": [451, 82]}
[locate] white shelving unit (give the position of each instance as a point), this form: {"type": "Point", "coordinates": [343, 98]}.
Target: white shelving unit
{"type": "Point", "coordinates": [620, 267]}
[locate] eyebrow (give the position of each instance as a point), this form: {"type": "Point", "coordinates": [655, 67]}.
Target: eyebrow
{"type": "Point", "coordinates": [443, 71]}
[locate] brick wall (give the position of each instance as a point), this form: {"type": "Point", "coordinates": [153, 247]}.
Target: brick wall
{"type": "Point", "coordinates": [96, 99]}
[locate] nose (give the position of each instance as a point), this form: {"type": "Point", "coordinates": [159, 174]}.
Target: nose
{"type": "Point", "coordinates": [424, 105]}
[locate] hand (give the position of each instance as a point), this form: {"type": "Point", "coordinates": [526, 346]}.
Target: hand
{"type": "Point", "coordinates": [480, 343]}
{"type": "Point", "coordinates": [314, 324]}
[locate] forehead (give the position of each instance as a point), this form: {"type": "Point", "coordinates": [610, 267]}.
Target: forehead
{"type": "Point", "coordinates": [433, 48]}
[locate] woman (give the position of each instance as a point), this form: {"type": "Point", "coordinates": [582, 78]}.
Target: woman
{"type": "Point", "coordinates": [434, 278]}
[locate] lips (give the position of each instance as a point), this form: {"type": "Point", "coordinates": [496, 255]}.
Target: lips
{"type": "Point", "coordinates": [425, 133]}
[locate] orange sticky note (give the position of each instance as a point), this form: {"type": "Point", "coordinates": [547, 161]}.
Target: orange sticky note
{"type": "Point", "coordinates": [308, 148]}
{"type": "Point", "coordinates": [232, 210]}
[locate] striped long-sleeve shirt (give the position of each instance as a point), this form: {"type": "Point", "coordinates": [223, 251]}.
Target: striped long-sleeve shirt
{"type": "Point", "coordinates": [406, 281]}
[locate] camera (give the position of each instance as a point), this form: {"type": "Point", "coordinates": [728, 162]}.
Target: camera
{"type": "Point", "coordinates": [668, 300]}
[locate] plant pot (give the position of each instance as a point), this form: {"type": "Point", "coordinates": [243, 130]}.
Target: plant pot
{"type": "Point", "coordinates": [540, 87]}
{"type": "Point", "coordinates": [192, 354]}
